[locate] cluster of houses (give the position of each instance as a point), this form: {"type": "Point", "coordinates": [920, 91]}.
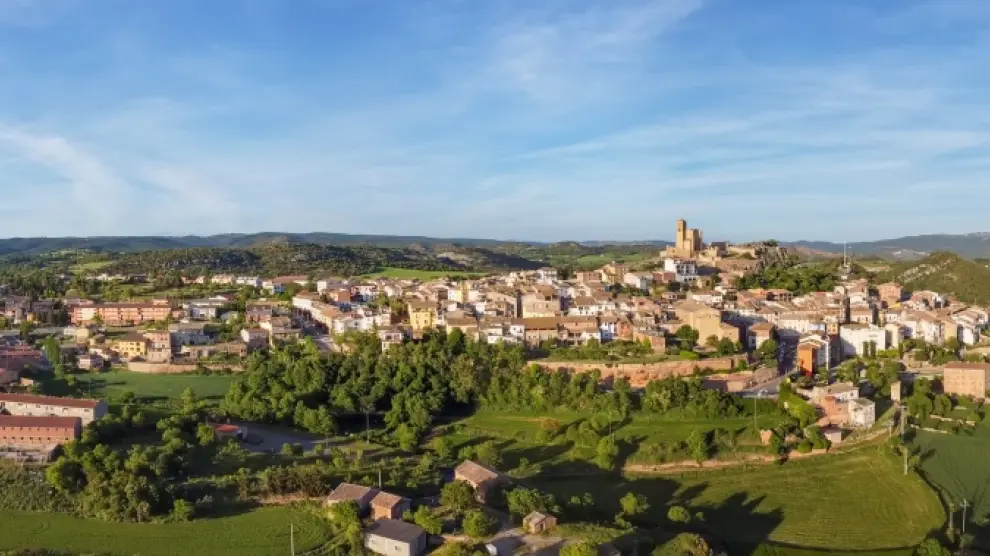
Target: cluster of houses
{"type": "Point", "coordinates": [388, 534]}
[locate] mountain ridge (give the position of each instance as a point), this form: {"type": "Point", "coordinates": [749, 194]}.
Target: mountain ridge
{"type": "Point", "coordinates": [975, 244]}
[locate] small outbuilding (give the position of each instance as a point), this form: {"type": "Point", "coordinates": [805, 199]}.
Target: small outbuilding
{"type": "Point", "coordinates": [391, 537]}
{"type": "Point", "coordinates": [536, 523]}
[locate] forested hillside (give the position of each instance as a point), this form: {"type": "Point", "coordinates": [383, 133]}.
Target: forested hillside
{"type": "Point", "coordinates": [944, 272]}
{"type": "Point", "coordinates": [272, 260]}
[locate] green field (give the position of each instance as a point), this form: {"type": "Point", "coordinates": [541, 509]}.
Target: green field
{"type": "Point", "coordinates": [853, 501]}
{"type": "Point", "coordinates": [410, 274]}
{"type": "Point", "coordinates": [516, 432]}
{"type": "Point", "coordinates": [90, 266]}
{"type": "Point", "coordinates": [153, 386]}
{"type": "Point", "coordinates": [261, 532]}
{"type": "Point", "coordinates": [957, 464]}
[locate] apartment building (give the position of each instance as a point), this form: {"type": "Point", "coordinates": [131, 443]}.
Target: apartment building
{"type": "Point", "coordinates": [30, 405]}
{"type": "Point", "coordinates": [422, 315]}
{"type": "Point", "coordinates": [121, 314]}
{"type": "Point", "coordinates": [966, 379]}
{"type": "Point", "coordinates": [36, 432]}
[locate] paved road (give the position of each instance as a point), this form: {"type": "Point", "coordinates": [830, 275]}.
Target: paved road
{"type": "Point", "coordinates": [768, 389]}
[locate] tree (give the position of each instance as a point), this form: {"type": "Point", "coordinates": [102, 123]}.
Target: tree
{"type": "Point", "coordinates": [523, 501]}
{"type": "Point", "coordinates": [687, 336]}
{"type": "Point", "coordinates": [698, 446]}
{"type": "Point", "coordinates": [634, 504]}
{"type": "Point", "coordinates": [768, 351]}
{"type": "Point", "coordinates": [52, 350]}
{"type": "Point", "coordinates": [443, 447]}
{"type": "Point", "coordinates": [488, 454]}
{"type": "Point", "coordinates": [182, 510]}
{"type": "Point", "coordinates": [711, 341]}
{"type": "Point", "coordinates": [679, 514]}
{"type": "Point", "coordinates": [205, 435]}
{"type": "Point", "coordinates": [606, 453]}
{"type": "Point", "coordinates": [428, 520]}
{"type": "Point", "coordinates": [931, 547]}
{"type": "Point", "coordinates": [457, 495]}
{"type": "Point", "coordinates": [477, 524]}
{"type": "Point", "coordinates": [579, 549]}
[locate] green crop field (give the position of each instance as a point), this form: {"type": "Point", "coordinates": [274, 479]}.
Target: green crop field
{"type": "Point", "coordinates": [845, 502]}
{"type": "Point", "coordinates": [154, 386]}
{"type": "Point", "coordinates": [261, 532]}
{"type": "Point", "coordinates": [957, 464]}
{"type": "Point", "coordinates": [410, 274]}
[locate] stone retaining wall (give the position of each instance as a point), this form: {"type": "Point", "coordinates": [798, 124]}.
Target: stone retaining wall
{"type": "Point", "coordinates": [177, 368]}
{"type": "Point", "coordinates": [639, 374]}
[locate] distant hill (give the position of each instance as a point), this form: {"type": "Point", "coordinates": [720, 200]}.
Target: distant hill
{"type": "Point", "coordinates": [944, 272]}
{"type": "Point", "coordinates": [38, 245]}
{"type": "Point", "coordinates": [910, 247]}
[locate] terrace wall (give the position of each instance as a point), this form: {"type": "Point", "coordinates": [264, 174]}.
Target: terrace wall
{"type": "Point", "coordinates": [639, 374]}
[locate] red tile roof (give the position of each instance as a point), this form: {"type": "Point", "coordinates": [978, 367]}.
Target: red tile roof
{"type": "Point", "coordinates": [49, 400]}
{"type": "Point", "coordinates": [24, 421]}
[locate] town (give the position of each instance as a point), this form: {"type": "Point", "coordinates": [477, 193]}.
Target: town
{"type": "Point", "coordinates": [850, 365]}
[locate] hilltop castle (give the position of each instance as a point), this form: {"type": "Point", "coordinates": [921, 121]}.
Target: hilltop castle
{"type": "Point", "coordinates": [688, 244]}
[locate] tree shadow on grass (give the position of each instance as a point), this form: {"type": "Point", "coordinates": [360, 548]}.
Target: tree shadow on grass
{"type": "Point", "coordinates": [535, 454]}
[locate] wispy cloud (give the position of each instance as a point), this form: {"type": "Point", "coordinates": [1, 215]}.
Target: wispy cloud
{"type": "Point", "coordinates": [518, 120]}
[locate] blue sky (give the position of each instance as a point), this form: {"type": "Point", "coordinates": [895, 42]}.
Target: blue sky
{"type": "Point", "coordinates": [511, 119]}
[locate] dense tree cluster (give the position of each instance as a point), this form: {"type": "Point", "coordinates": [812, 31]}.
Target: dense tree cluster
{"type": "Point", "coordinates": [410, 384]}
{"type": "Point", "coordinates": [691, 397]}
{"type": "Point", "coordinates": [139, 484]}
{"type": "Point", "coordinates": [796, 279]}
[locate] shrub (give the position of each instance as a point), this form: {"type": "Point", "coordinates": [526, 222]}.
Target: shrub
{"type": "Point", "coordinates": [678, 514]}
{"type": "Point", "coordinates": [477, 524]}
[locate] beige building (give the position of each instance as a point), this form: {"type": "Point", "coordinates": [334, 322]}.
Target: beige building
{"type": "Point", "coordinates": [422, 315]}
{"type": "Point", "coordinates": [132, 346]}
{"type": "Point", "coordinates": [704, 319]}
{"type": "Point", "coordinates": [29, 405]}
{"type": "Point", "coordinates": [966, 379]}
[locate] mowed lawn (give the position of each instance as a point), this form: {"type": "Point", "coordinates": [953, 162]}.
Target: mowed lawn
{"type": "Point", "coordinates": [853, 501]}
{"type": "Point", "coordinates": [261, 532]}
{"type": "Point", "coordinates": [154, 386]}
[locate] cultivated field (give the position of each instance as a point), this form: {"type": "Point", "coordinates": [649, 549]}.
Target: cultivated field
{"type": "Point", "coordinates": [262, 532]}
{"type": "Point", "coordinates": [957, 465]}
{"type": "Point", "coordinates": [855, 501]}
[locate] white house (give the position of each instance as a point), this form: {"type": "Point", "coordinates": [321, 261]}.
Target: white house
{"type": "Point", "coordinates": [862, 413]}
{"type": "Point", "coordinates": [855, 337]}
{"type": "Point", "coordinates": [638, 280]}
{"type": "Point", "coordinates": [684, 270]}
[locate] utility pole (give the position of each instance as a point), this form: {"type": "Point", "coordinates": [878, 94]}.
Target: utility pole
{"type": "Point", "coordinates": [952, 510]}
{"type": "Point", "coordinates": [292, 539]}
{"type": "Point", "coordinates": [379, 477]}
{"type": "Point", "coordinates": [965, 504]}
{"type": "Point", "coordinates": [367, 423]}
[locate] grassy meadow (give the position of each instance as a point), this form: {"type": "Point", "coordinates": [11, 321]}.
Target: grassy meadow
{"type": "Point", "coordinates": [846, 502]}
{"type": "Point", "coordinates": [261, 532]}
{"type": "Point", "coordinates": [853, 501]}
{"type": "Point", "coordinates": [152, 386]}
